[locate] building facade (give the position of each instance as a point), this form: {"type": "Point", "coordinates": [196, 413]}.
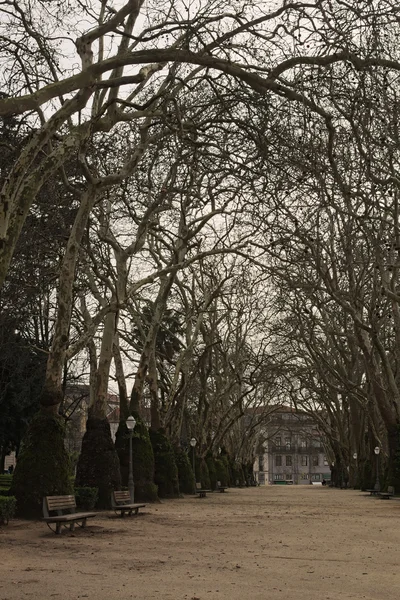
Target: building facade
{"type": "Point", "coordinates": [291, 451]}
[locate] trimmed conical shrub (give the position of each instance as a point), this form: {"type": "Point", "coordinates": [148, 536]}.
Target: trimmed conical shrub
{"type": "Point", "coordinates": [212, 472]}
{"type": "Point", "coordinates": [166, 472]}
{"type": "Point", "coordinates": [203, 474]}
{"type": "Point", "coordinates": [43, 467]}
{"type": "Point", "coordinates": [222, 471]}
{"type": "Point", "coordinates": [143, 459]}
{"type": "Point", "coordinates": [185, 471]}
{"type": "Point", "coordinates": [224, 458]}
{"type": "Point", "coordinates": [98, 464]}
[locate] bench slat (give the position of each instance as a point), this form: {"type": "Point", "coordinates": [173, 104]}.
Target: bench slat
{"type": "Point", "coordinates": [60, 502]}
{"type": "Point", "coordinates": [60, 498]}
{"type": "Point", "coordinates": [73, 517]}
{"type": "Point", "coordinates": [128, 506]}
{"type": "Point", "coordinates": [122, 495]}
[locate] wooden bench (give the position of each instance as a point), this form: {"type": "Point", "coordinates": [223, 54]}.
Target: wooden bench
{"type": "Point", "coordinates": [199, 490]}
{"type": "Point", "coordinates": [373, 492]}
{"type": "Point", "coordinates": [387, 495]}
{"type": "Point", "coordinates": [121, 502]}
{"type": "Point", "coordinates": [65, 507]}
{"type": "Point", "coordinates": [220, 488]}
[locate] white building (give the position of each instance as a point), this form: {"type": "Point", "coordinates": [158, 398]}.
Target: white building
{"type": "Point", "coordinates": [292, 451]}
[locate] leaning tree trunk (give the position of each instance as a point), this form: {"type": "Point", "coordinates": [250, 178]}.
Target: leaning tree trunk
{"type": "Point", "coordinates": [152, 379]}
{"type": "Point", "coordinates": [43, 467]}
{"type": "Point", "coordinates": [98, 464]}
{"type": "Point", "coordinates": [32, 169]}
{"type": "Point", "coordinates": [143, 456]}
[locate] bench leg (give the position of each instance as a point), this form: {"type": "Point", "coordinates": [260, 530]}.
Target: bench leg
{"type": "Point", "coordinates": [72, 527]}
{"type": "Point", "coordinates": [136, 511]}
{"type": "Point", "coordinates": [58, 528]}
{"type": "Point", "coordinates": [84, 523]}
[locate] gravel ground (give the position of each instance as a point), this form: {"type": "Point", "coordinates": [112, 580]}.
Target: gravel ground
{"type": "Point", "coordinates": [278, 543]}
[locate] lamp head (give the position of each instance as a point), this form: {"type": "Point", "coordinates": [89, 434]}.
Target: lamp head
{"type": "Point", "coordinates": [131, 423]}
{"type": "Point", "coordinates": [377, 450]}
{"type": "Point", "coordinates": [355, 455]}
{"type": "Point", "coordinates": [193, 442]}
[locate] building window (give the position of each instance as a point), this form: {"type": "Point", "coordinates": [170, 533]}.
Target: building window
{"type": "Point", "coordinates": [261, 462]}
{"type": "Point", "coordinates": [325, 462]}
{"type": "Point", "coordinates": [303, 443]}
{"type": "Point", "coordinates": [289, 460]}
{"type": "Point", "coordinates": [279, 477]}
{"type": "Point", "coordinates": [315, 477]}
{"type": "Point", "coordinates": [315, 461]}
{"type": "Point", "coordinates": [278, 441]}
{"type": "Point", "coordinates": [288, 476]}
{"type": "Point", "coordinates": [278, 460]}
{"type": "Point", "coordinates": [288, 443]}
{"type": "Point", "coordinates": [304, 476]}
{"type": "Point", "coordinates": [304, 461]}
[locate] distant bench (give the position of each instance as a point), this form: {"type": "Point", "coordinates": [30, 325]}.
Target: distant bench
{"type": "Point", "coordinates": [373, 492]}
{"type": "Point", "coordinates": [220, 488]}
{"type": "Point", "coordinates": [65, 507]}
{"type": "Point", "coordinates": [387, 495]}
{"type": "Point", "coordinates": [201, 491]}
{"type": "Point", "coordinates": [121, 502]}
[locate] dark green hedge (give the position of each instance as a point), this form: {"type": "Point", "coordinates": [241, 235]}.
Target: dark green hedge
{"type": "Point", "coordinates": [185, 471]}
{"type": "Point", "coordinates": [86, 497]}
{"type": "Point", "coordinates": [143, 459]}
{"type": "Point", "coordinates": [166, 472]}
{"type": "Point", "coordinates": [7, 508]}
{"type": "Point", "coordinates": [212, 472]}
{"type": "Point", "coordinates": [43, 467]}
{"type": "Point", "coordinates": [237, 475]}
{"type": "Point", "coordinates": [221, 467]}
{"type": "Point", "coordinates": [202, 474]}
{"type": "Point", "coordinates": [98, 464]}
{"type": "Point", "coordinates": [6, 480]}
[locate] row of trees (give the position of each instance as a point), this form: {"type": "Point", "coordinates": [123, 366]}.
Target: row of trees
{"type": "Point", "coordinates": [219, 226]}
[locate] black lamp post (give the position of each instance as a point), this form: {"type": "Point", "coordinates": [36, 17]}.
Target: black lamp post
{"type": "Point", "coordinates": [130, 423]}
{"type": "Point", "coordinates": [193, 443]}
{"type": "Point", "coordinates": [356, 477]}
{"type": "Point", "coordinates": [377, 482]}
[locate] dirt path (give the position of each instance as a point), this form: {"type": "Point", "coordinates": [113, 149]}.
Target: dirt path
{"type": "Point", "coordinates": [278, 543]}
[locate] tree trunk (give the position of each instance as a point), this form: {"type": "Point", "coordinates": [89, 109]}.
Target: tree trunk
{"type": "Point", "coordinates": [98, 464]}
{"type": "Point", "coordinates": [52, 391]}
{"type": "Point", "coordinates": [46, 428]}
{"type": "Point", "coordinates": [119, 373]}
{"type": "Point", "coordinates": [153, 387]}
{"type": "Point", "coordinates": [141, 373]}
{"type": "Point", "coordinates": [27, 177]}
